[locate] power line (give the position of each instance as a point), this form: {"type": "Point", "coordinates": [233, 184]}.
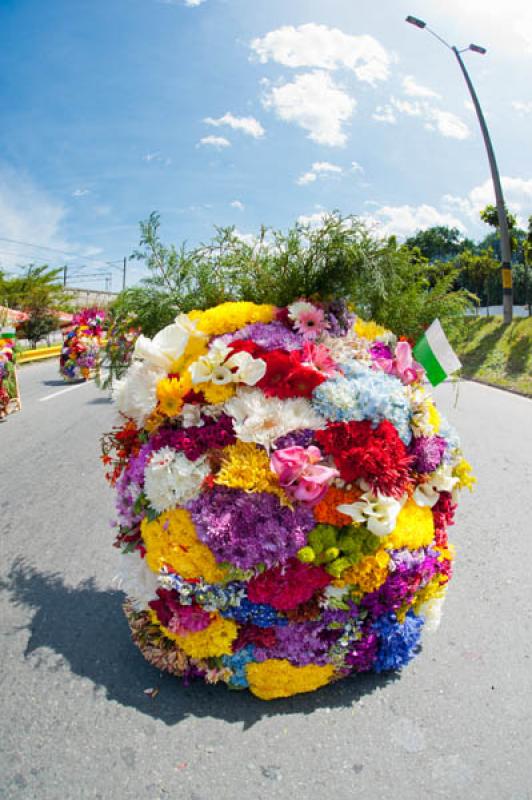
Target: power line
{"type": "Point", "coordinates": [63, 252]}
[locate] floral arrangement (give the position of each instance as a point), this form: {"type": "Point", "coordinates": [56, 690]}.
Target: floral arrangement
{"type": "Point", "coordinates": [117, 350]}
{"type": "Point", "coordinates": [8, 382]}
{"type": "Point", "coordinates": [284, 486]}
{"type": "Point", "coordinates": [81, 344]}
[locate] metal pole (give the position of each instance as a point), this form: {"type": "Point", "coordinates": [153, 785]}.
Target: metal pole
{"type": "Point", "coordinates": [506, 250]}
{"type": "Point", "coordinates": [124, 274]}
{"type": "Point", "coordinates": [65, 275]}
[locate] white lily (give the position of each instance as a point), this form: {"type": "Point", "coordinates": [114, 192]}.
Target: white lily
{"type": "Point", "coordinates": [441, 480]}
{"type": "Point", "coordinates": [249, 370]}
{"type": "Point", "coordinates": [378, 512]}
{"type": "Point", "coordinates": [169, 344]}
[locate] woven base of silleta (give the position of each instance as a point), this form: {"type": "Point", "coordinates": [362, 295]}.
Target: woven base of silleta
{"type": "Point", "coordinates": [284, 486]}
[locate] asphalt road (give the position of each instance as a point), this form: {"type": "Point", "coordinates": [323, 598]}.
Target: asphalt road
{"type": "Point", "coordinates": [76, 723]}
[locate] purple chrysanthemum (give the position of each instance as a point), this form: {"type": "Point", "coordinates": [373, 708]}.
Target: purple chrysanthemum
{"type": "Point", "coordinates": [269, 336]}
{"type": "Point", "coordinates": [303, 438]}
{"type": "Point", "coordinates": [301, 643]}
{"type": "Point", "coordinates": [428, 452]}
{"type": "Point", "coordinates": [196, 440]}
{"type": "Point", "coordinates": [249, 529]}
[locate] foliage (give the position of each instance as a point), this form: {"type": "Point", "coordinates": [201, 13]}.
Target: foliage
{"type": "Point", "coordinates": [40, 323]}
{"type": "Point", "coordinates": [393, 284]}
{"type": "Point", "coordinates": [498, 354]}
{"type": "Point", "coordinates": [439, 243]}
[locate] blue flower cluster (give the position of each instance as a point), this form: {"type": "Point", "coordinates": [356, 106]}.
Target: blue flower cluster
{"type": "Point", "coordinates": [398, 643]}
{"type": "Point", "coordinates": [260, 614]}
{"type": "Point", "coordinates": [362, 393]}
{"type": "Point", "coordinates": [237, 663]}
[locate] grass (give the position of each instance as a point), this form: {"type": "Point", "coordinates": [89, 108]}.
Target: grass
{"type": "Point", "coordinates": [498, 354]}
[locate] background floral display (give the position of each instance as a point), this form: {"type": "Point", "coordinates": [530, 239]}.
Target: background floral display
{"type": "Point", "coordinates": [117, 350]}
{"type": "Point", "coordinates": [284, 486]}
{"type": "Point", "coordinates": [8, 379]}
{"type": "Point", "coordinates": [81, 344]}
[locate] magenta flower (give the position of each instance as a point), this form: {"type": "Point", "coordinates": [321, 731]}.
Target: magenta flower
{"type": "Point", "coordinates": [300, 474]}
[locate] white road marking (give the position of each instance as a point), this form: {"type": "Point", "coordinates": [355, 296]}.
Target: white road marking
{"type": "Point", "coordinates": [62, 391]}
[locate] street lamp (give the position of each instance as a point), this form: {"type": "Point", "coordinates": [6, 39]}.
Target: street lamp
{"type": "Point", "coordinates": [506, 252]}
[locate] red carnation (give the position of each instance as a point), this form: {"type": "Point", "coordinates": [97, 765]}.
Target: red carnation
{"type": "Point", "coordinates": [443, 511]}
{"type": "Point", "coordinates": [377, 455]}
{"type": "Point", "coordinates": [286, 377]}
{"type": "Point", "coordinates": [287, 585]}
{"type": "Point", "coordinates": [252, 634]}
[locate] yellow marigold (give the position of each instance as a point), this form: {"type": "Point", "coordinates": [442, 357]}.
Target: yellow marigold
{"type": "Point", "coordinates": [170, 393]}
{"type": "Point", "coordinates": [434, 416]}
{"type": "Point", "coordinates": [370, 572]}
{"type": "Point", "coordinates": [215, 393]}
{"type": "Point", "coordinates": [211, 642]}
{"type": "Point", "coordinates": [446, 553]}
{"type": "Point", "coordinates": [414, 528]}
{"type": "Point", "coordinates": [246, 466]}
{"type": "Point", "coordinates": [368, 330]}
{"type": "Point", "coordinates": [279, 678]}
{"type": "Point", "coordinates": [154, 421]}
{"type": "Point", "coordinates": [464, 472]}
{"type": "Point", "coordinates": [172, 539]}
{"type": "Point", "coordinates": [228, 317]}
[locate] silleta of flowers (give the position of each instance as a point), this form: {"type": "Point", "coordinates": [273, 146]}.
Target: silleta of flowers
{"type": "Point", "coordinates": [117, 350]}
{"type": "Point", "coordinates": [8, 389]}
{"type": "Point", "coordinates": [284, 488]}
{"type": "Point", "coordinates": [81, 345]}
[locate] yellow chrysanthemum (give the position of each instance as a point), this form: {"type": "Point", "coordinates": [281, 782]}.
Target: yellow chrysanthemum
{"type": "Point", "coordinates": [170, 393]}
{"type": "Point", "coordinates": [368, 330]}
{"type": "Point", "coordinates": [172, 539]}
{"type": "Point", "coordinates": [446, 553]}
{"type": "Point", "coordinates": [279, 678]}
{"type": "Point", "coordinates": [215, 393]}
{"type": "Point", "coordinates": [246, 466]}
{"type": "Point", "coordinates": [464, 472]}
{"type": "Point", "coordinates": [414, 529]}
{"type": "Point", "coordinates": [434, 416]}
{"type": "Point", "coordinates": [228, 317]}
{"type": "Point", "coordinates": [370, 572]}
{"type": "Point", "coordinates": [211, 642]}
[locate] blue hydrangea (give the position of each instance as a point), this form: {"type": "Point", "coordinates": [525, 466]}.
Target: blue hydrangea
{"type": "Point", "coordinates": [450, 435]}
{"type": "Point", "coordinates": [363, 393]}
{"type": "Point", "coordinates": [398, 643]}
{"type": "Point", "coordinates": [237, 663]}
{"type": "Point", "coordinates": [260, 614]}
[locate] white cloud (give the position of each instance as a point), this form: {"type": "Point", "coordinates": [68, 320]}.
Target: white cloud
{"type": "Point", "coordinates": [80, 192]}
{"type": "Point", "coordinates": [29, 214]}
{"type": "Point", "coordinates": [517, 196]}
{"type": "Point", "coordinates": [317, 169]}
{"type": "Point", "coordinates": [522, 108]}
{"type": "Point", "coordinates": [314, 220]}
{"type": "Point", "coordinates": [445, 122]}
{"type": "Point", "coordinates": [218, 142]}
{"type": "Point", "coordinates": [193, 3]}
{"type": "Point", "coordinates": [237, 204]}
{"type": "Point", "coordinates": [385, 114]}
{"type": "Point", "coordinates": [414, 89]}
{"type": "Point", "coordinates": [149, 157]}
{"type": "Point", "coordinates": [315, 103]}
{"type": "Point", "coordinates": [248, 125]}
{"type": "Point", "coordinates": [356, 167]}
{"type": "Point", "coordinates": [403, 221]}
{"type": "Point", "coordinates": [318, 46]}
{"type": "Point", "coordinates": [188, 3]}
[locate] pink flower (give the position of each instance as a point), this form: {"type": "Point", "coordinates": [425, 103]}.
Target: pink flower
{"type": "Point", "coordinates": [319, 357]}
{"type": "Point", "coordinates": [307, 318]}
{"type": "Point", "coordinates": [405, 367]}
{"type": "Point", "coordinates": [300, 474]}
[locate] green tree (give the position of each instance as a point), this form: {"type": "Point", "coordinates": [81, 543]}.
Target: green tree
{"type": "Point", "coordinates": [439, 243]}
{"type": "Point", "coordinates": [37, 291]}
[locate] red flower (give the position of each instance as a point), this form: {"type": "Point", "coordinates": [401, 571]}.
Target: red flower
{"type": "Point", "coordinates": [377, 455]}
{"type": "Point", "coordinates": [252, 634]}
{"type": "Point", "coordinates": [286, 377]}
{"type": "Point", "coordinates": [443, 511]}
{"type": "Point", "coordinates": [287, 585]}
{"type": "Point", "coordinates": [247, 346]}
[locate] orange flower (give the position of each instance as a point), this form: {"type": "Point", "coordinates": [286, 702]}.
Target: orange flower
{"type": "Point", "coordinates": [325, 511]}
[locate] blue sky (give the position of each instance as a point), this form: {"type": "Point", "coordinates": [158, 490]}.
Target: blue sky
{"type": "Point", "coordinates": [246, 112]}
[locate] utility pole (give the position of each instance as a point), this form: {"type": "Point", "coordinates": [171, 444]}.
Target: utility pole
{"type": "Point", "coordinates": [65, 268]}
{"type": "Point", "coordinates": [506, 250]}
{"type": "Point", "coordinates": [124, 274]}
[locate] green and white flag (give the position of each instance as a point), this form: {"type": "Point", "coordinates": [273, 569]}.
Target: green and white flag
{"type": "Point", "coordinates": [434, 352]}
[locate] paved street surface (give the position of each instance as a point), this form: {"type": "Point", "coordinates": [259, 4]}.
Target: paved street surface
{"type": "Point", "coordinates": [76, 723]}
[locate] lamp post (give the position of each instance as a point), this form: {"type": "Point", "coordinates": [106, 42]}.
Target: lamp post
{"type": "Point", "coordinates": [506, 251]}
